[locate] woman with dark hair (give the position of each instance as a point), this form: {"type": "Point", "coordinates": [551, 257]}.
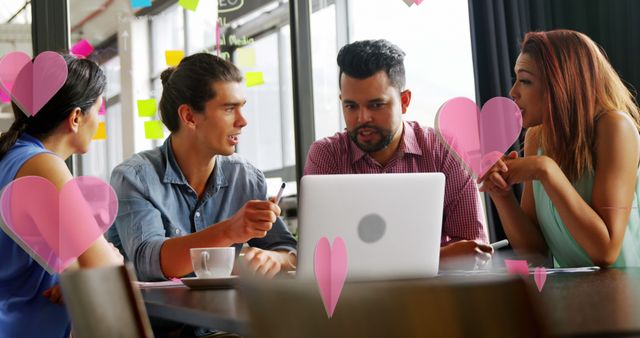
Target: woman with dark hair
{"type": "Point", "coordinates": [38, 146]}
{"type": "Point", "coordinates": [581, 155]}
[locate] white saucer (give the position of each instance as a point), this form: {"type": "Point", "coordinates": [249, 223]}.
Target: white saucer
{"type": "Point", "coordinates": [209, 283]}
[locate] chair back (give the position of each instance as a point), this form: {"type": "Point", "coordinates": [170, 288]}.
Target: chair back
{"type": "Point", "coordinates": [103, 302]}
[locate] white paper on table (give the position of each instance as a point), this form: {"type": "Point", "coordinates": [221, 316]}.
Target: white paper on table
{"type": "Point", "coordinates": [154, 285]}
{"type": "Point", "coordinates": [572, 270]}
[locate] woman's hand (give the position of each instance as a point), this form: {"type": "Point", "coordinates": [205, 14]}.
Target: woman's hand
{"type": "Point", "coordinates": [493, 181]}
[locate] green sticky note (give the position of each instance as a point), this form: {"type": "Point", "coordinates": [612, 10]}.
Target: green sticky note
{"type": "Point", "coordinates": [153, 130]}
{"type": "Point", "coordinates": [147, 108]}
{"type": "Point", "coordinates": [254, 79]}
{"type": "Point", "coordinates": [189, 4]}
{"type": "Point", "coordinates": [246, 57]}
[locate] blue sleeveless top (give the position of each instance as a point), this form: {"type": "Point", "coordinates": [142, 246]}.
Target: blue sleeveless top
{"type": "Point", "coordinates": [24, 311]}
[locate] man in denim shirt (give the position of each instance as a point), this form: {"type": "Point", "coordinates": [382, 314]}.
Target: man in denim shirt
{"type": "Point", "coordinates": [193, 191]}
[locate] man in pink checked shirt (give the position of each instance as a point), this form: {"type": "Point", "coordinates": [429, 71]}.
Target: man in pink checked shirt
{"type": "Point", "coordinates": [377, 140]}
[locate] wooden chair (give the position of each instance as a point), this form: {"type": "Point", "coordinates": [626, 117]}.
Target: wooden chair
{"type": "Point", "coordinates": [438, 308]}
{"type": "Point", "coordinates": [103, 302]}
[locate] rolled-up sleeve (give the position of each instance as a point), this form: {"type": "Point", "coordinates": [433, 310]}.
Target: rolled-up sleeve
{"type": "Point", "coordinates": [279, 237]}
{"type": "Point", "coordinates": [139, 224]}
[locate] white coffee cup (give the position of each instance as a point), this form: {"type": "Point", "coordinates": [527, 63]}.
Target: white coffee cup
{"type": "Point", "coordinates": [213, 262]}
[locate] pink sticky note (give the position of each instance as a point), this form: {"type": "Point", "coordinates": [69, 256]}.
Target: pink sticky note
{"type": "Point", "coordinates": [103, 108]}
{"type": "Point", "coordinates": [33, 84]}
{"type": "Point", "coordinates": [53, 227]}
{"type": "Point", "coordinates": [518, 267]}
{"type": "Point", "coordinates": [82, 49]}
{"type": "Point", "coordinates": [540, 276]}
{"type": "Point", "coordinates": [4, 98]}
{"type": "Point", "coordinates": [478, 137]}
{"type": "Point", "coordinates": [330, 267]}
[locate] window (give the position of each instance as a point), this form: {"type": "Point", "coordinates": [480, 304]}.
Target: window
{"type": "Point", "coordinates": [438, 66]}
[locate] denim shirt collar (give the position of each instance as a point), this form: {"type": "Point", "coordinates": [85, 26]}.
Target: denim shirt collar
{"type": "Point", "coordinates": [173, 174]}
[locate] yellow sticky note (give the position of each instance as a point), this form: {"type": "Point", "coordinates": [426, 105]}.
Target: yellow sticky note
{"type": "Point", "coordinates": [189, 4]}
{"type": "Point", "coordinates": [173, 57]}
{"type": "Point", "coordinates": [153, 130]}
{"type": "Point", "coordinates": [254, 79]}
{"type": "Point", "coordinates": [101, 133]}
{"type": "Point", "coordinates": [246, 57]}
{"type": "Point", "coordinates": [147, 108]}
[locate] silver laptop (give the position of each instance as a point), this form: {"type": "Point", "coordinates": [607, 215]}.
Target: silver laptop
{"type": "Point", "coordinates": [391, 223]}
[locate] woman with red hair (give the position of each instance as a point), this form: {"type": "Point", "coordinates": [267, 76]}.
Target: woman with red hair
{"type": "Point", "coordinates": [581, 156]}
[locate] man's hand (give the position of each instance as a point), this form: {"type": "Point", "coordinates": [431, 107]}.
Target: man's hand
{"type": "Point", "coordinates": [264, 262]}
{"type": "Point", "coordinates": [253, 220]}
{"type": "Point", "coordinates": [116, 253]}
{"type": "Point", "coordinates": [464, 254]}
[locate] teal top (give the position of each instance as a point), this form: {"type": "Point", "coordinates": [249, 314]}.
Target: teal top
{"type": "Point", "coordinates": [565, 250]}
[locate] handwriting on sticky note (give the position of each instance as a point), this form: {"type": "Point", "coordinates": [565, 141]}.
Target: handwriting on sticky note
{"type": "Point", "coordinates": [101, 133]}
{"type": "Point", "coordinates": [246, 57]}
{"type": "Point", "coordinates": [189, 4]}
{"type": "Point", "coordinates": [518, 267]}
{"type": "Point", "coordinates": [135, 4]}
{"type": "Point", "coordinates": [173, 57]}
{"type": "Point", "coordinates": [153, 130]}
{"type": "Point", "coordinates": [147, 108]}
{"type": "Point", "coordinates": [254, 79]}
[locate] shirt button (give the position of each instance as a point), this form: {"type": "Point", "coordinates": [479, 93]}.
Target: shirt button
{"type": "Point", "coordinates": [177, 231]}
{"type": "Point", "coordinates": [197, 214]}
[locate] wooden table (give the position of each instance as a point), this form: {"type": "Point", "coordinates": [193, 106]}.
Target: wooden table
{"type": "Point", "coordinates": [603, 303]}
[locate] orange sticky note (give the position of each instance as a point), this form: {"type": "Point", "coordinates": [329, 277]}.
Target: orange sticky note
{"type": "Point", "coordinates": [101, 133]}
{"type": "Point", "coordinates": [147, 108]}
{"type": "Point", "coordinates": [173, 57]}
{"type": "Point", "coordinates": [254, 79]}
{"type": "Point", "coordinates": [153, 130]}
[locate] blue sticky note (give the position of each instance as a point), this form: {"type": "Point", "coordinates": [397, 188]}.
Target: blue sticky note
{"type": "Point", "coordinates": [135, 4]}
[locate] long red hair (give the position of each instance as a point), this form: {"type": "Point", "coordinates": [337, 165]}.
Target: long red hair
{"type": "Point", "coordinates": [580, 84]}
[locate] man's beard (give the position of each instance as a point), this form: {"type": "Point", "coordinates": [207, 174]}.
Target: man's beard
{"type": "Point", "coordinates": [386, 135]}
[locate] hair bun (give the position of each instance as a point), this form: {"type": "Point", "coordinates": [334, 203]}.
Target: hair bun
{"type": "Point", "coordinates": [166, 74]}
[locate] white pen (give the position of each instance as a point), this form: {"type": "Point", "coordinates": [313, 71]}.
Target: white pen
{"type": "Point", "coordinates": [279, 196]}
{"type": "Point", "coordinates": [500, 244]}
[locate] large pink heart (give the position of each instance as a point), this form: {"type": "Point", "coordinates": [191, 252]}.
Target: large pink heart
{"type": "Point", "coordinates": [32, 84]}
{"type": "Point", "coordinates": [479, 138]}
{"type": "Point", "coordinates": [53, 227]}
{"type": "Point", "coordinates": [10, 66]}
{"type": "Point", "coordinates": [330, 267]}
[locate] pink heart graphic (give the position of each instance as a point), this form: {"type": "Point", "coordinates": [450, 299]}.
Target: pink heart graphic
{"type": "Point", "coordinates": [53, 227]}
{"type": "Point", "coordinates": [10, 66]}
{"type": "Point", "coordinates": [34, 84]}
{"type": "Point", "coordinates": [540, 276]}
{"type": "Point", "coordinates": [418, 2]}
{"type": "Point", "coordinates": [517, 267]}
{"type": "Point", "coordinates": [478, 138]}
{"type": "Point", "coordinates": [330, 267]}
